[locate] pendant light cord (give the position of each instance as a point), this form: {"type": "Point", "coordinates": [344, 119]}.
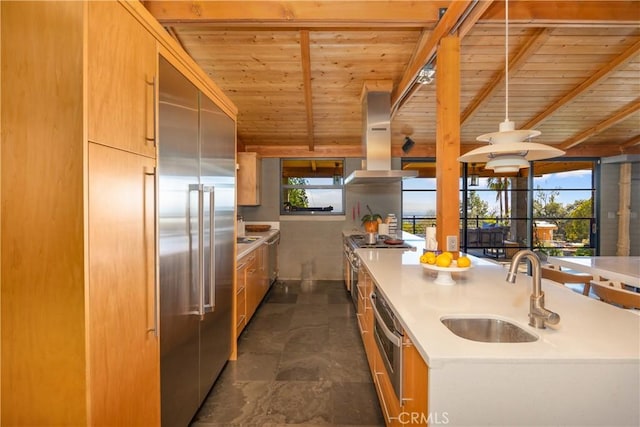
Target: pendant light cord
{"type": "Point", "coordinates": [506, 60]}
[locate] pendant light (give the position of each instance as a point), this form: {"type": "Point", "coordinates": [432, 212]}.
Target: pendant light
{"type": "Point", "coordinates": [509, 150]}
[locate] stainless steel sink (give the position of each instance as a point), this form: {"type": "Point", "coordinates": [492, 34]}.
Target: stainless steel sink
{"type": "Point", "coordinates": [247, 239]}
{"type": "Point", "coordinates": [484, 329]}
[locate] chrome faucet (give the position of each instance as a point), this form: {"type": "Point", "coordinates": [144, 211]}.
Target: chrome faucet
{"type": "Point", "coordinates": [538, 315]}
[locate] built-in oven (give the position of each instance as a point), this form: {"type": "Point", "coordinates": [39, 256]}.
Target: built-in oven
{"type": "Point", "coordinates": [272, 243]}
{"type": "Point", "coordinates": [388, 334]}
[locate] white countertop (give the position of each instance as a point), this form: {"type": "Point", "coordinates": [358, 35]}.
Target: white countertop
{"type": "Point", "coordinates": [625, 269]}
{"type": "Point", "coordinates": [588, 329]}
{"type": "Point", "coordinates": [243, 249]}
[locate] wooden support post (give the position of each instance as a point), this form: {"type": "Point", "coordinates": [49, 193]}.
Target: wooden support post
{"type": "Point", "coordinates": [448, 142]}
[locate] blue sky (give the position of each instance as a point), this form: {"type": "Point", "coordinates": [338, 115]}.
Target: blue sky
{"type": "Point", "coordinates": [581, 179]}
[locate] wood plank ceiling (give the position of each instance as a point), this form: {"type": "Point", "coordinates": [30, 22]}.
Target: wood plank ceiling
{"type": "Point", "coordinates": [295, 69]}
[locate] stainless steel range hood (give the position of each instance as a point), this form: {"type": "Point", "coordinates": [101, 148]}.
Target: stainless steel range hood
{"type": "Point", "coordinates": [376, 139]}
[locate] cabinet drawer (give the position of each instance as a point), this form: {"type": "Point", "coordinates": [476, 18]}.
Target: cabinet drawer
{"type": "Point", "coordinates": [241, 304]}
{"type": "Point", "coordinates": [388, 400]}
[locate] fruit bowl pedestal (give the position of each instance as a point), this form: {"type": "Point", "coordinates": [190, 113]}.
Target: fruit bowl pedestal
{"type": "Point", "coordinates": [444, 273]}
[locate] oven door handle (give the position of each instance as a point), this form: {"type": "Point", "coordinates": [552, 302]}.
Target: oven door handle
{"type": "Point", "coordinates": [395, 339]}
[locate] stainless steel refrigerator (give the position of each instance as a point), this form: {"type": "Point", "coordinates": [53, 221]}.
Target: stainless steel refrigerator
{"type": "Point", "coordinates": [196, 188]}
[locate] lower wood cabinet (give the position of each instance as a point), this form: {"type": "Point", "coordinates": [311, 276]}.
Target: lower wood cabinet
{"type": "Point", "coordinates": [252, 284]}
{"type": "Point", "coordinates": [413, 409]}
{"type": "Point", "coordinates": [245, 278]}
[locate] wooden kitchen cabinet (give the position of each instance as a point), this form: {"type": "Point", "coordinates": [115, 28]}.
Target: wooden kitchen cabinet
{"type": "Point", "coordinates": [413, 407]}
{"type": "Point", "coordinates": [243, 276]}
{"type": "Point", "coordinates": [364, 315]}
{"type": "Point", "coordinates": [78, 338]}
{"type": "Point", "coordinates": [121, 78]}
{"type": "Point", "coordinates": [415, 382]}
{"type": "Point", "coordinates": [249, 178]}
{"type": "Point", "coordinates": [388, 401]}
{"type": "Point", "coordinates": [78, 299]}
{"type": "Point", "coordinates": [252, 285]}
{"type": "Point", "coordinates": [122, 324]}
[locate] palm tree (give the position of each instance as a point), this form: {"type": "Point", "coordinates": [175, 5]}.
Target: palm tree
{"type": "Point", "coordinates": [501, 187]}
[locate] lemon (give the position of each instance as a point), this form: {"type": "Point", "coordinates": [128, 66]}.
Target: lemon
{"type": "Point", "coordinates": [443, 260]}
{"type": "Point", "coordinates": [463, 261]}
{"type": "Point", "coordinates": [448, 254]}
{"type": "Point", "coordinates": [428, 258]}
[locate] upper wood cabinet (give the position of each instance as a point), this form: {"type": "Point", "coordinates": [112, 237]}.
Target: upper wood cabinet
{"type": "Point", "coordinates": [249, 179]}
{"type": "Point", "coordinates": [121, 78]}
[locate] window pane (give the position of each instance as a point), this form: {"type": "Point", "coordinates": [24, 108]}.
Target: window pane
{"type": "Point", "coordinates": [419, 198]}
{"type": "Point", "coordinates": [312, 186]}
{"type": "Point", "coordinates": [323, 200]}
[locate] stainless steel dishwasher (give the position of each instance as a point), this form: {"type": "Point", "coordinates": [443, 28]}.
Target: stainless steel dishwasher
{"type": "Point", "coordinates": [272, 243]}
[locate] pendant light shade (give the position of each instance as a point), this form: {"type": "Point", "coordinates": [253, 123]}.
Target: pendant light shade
{"type": "Point", "coordinates": [509, 150]}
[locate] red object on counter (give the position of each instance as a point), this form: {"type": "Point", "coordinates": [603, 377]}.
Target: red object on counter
{"type": "Point", "coordinates": [353, 213]}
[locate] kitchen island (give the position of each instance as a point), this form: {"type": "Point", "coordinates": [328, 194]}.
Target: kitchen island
{"type": "Point", "coordinates": [584, 371]}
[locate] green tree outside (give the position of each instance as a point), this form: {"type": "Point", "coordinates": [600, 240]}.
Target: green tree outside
{"type": "Point", "coordinates": [297, 196]}
{"type": "Point", "coordinates": [579, 230]}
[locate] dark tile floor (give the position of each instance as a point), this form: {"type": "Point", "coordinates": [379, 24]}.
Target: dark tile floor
{"type": "Point", "coordinates": [300, 362]}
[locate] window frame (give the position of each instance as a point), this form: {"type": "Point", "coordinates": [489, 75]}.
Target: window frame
{"type": "Point", "coordinates": [340, 187]}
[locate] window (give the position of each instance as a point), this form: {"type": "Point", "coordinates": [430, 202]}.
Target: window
{"type": "Point", "coordinates": [419, 197]}
{"type": "Point", "coordinates": [552, 211]}
{"type": "Point", "coordinates": [312, 187]}
{"type": "Point", "coordinates": [563, 207]}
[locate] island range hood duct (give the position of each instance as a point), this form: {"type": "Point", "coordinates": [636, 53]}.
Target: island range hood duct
{"type": "Point", "coordinates": [376, 140]}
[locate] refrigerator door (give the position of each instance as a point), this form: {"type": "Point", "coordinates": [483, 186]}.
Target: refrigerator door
{"type": "Point", "coordinates": [217, 166]}
{"type": "Point", "coordinates": [178, 169]}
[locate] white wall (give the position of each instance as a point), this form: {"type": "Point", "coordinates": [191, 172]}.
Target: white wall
{"type": "Point", "coordinates": [313, 246]}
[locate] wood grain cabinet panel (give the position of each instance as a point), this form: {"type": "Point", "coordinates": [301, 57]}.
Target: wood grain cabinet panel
{"type": "Point", "coordinates": [124, 373]}
{"type": "Point", "coordinates": [249, 179]}
{"type": "Point", "coordinates": [121, 70]}
{"type": "Point", "coordinates": [77, 288]}
{"type": "Point", "coordinates": [241, 301]}
{"type": "Point", "coordinates": [413, 410]}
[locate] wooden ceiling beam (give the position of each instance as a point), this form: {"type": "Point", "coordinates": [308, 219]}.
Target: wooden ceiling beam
{"type": "Point", "coordinates": [631, 142]}
{"type": "Point", "coordinates": [592, 81]}
{"type": "Point", "coordinates": [605, 124]}
{"type": "Point", "coordinates": [426, 52]}
{"type": "Point", "coordinates": [564, 13]}
{"type": "Point", "coordinates": [303, 13]}
{"type": "Point", "coordinates": [298, 13]}
{"type": "Point", "coordinates": [419, 150]}
{"type": "Point", "coordinates": [305, 58]}
{"type": "Point", "coordinates": [538, 39]}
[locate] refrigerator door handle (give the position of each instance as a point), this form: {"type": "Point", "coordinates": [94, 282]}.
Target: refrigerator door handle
{"type": "Point", "coordinates": [201, 259]}
{"type": "Point", "coordinates": [210, 304]}
{"type": "Point", "coordinates": [198, 308]}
